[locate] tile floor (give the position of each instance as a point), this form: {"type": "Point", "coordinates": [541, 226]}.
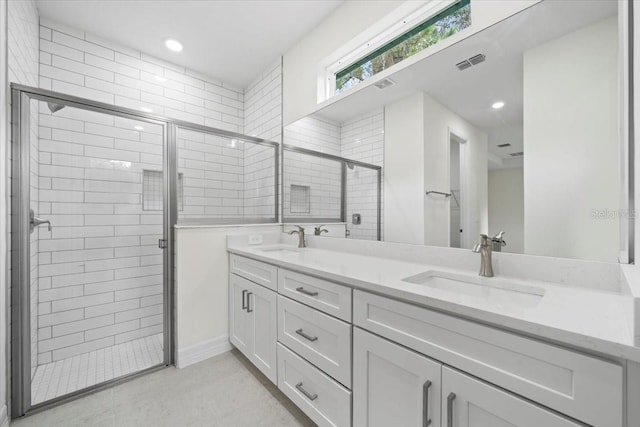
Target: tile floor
{"type": "Point", "coordinates": [84, 370]}
{"type": "Point", "coordinates": [224, 391]}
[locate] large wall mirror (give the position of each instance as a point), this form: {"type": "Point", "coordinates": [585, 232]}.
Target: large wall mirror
{"type": "Point", "coordinates": [525, 138]}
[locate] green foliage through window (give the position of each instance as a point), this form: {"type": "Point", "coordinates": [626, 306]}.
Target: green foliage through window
{"type": "Point", "coordinates": [430, 32]}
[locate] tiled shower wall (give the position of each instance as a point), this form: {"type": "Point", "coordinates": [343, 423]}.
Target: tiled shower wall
{"type": "Point", "coordinates": [321, 177]}
{"type": "Point", "coordinates": [22, 50]}
{"type": "Point", "coordinates": [81, 64]}
{"type": "Point", "coordinates": [212, 169]}
{"type": "Point", "coordinates": [362, 139]}
{"type": "Point", "coordinates": [100, 279]}
{"type": "Point", "coordinates": [263, 119]}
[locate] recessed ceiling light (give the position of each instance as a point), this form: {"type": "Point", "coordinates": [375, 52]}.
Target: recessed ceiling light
{"type": "Point", "coordinates": [173, 44]}
{"type": "Point", "coordinates": [497, 105]}
{"type": "Point", "coordinates": [138, 128]}
{"type": "Point", "coordinates": [160, 79]}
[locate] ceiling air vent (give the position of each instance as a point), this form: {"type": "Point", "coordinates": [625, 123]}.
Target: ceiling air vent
{"type": "Point", "coordinates": [518, 154]}
{"type": "Point", "coordinates": [504, 145]}
{"type": "Point", "coordinates": [475, 60]}
{"type": "Point", "coordinates": [470, 62]}
{"type": "Point", "coordinates": [384, 83]}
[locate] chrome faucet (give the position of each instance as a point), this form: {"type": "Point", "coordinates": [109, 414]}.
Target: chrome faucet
{"type": "Point", "coordinates": [319, 230]}
{"type": "Point", "coordinates": [300, 232]}
{"type": "Point", "coordinates": [498, 241]}
{"type": "Point", "coordinates": [484, 249]}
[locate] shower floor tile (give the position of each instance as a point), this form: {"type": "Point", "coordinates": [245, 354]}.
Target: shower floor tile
{"type": "Point", "coordinates": [84, 370]}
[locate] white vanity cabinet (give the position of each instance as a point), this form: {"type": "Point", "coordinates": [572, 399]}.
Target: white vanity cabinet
{"type": "Point", "coordinates": [393, 385]}
{"type": "Point", "coordinates": [253, 323]}
{"type": "Point", "coordinates": [468, 402]}
{"type": "Point", "coordinates": [582, 387]}
{"type": "Point", "coordinates": [350, 357]}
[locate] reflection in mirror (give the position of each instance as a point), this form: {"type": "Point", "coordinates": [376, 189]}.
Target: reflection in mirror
{"type": "Point", "coordinates": [526, 141]}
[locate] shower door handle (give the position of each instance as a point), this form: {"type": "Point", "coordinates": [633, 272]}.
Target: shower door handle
{"type": "Point", "coordinates": [34, 221]}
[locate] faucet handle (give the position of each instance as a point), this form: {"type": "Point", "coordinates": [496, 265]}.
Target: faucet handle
{"type": "Point", "coordinates": [299, 228]}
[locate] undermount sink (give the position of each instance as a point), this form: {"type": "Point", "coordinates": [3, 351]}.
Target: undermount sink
{"type": "Point", "coordinates": [280, 249]}
{"type": "Point", "coordinates": [497, 289]}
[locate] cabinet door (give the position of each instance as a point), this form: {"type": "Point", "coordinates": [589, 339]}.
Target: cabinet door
{"type": "Point", "coordinates": [393, 386]}
{"type": "Point", "coordinates": [239, 317]}
{"type": "Point", "coordinates": [261, 305]}
{"type": "Point", "coordinates": [468, 402]}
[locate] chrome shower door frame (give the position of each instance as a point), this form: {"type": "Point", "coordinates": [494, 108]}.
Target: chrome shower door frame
{"type": "Point", "coordinates": [20, 260]}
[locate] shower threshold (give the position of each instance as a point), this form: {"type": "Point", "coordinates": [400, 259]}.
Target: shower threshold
{"type": "Point", "coordinates": [84, 370]}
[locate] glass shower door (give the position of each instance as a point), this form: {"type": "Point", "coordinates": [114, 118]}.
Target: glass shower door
{"type": "Point", "coordinates": [97, 305]}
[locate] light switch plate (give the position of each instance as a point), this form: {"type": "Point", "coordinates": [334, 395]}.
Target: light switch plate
{"type": "Point", "coordinates": [255, 239]}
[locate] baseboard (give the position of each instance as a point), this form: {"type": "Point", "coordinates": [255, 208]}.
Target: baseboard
{"type": "Point", "coordinates": [202, 351]}
{"type": "Point", "coordinates": [4, 417]}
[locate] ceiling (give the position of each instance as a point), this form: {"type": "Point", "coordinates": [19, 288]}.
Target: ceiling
{"type": "Point", "coordinates": [231, 40]}
{"type": "Point", "coordinates": [471, 92]}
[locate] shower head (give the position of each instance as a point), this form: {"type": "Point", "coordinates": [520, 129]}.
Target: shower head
{"type": "Point", "coordinates": [350, 165]}
{"type": "Point", "coordinates": [53, 107]}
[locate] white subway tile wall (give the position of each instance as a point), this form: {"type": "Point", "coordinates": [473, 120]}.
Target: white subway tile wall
{"type": "Point", "coordinates": [263, 119]}
{"type": "Point", "coordinates": [100, 278]}
{"type": "Point", "coordinates": [322, 176]}
{"type": "Point", "coordinates": [22, 62]}
{"type": "Point", "coordinates": [362, 139]}
{"type": "Point", "coordinates": [78, 63]}
{"type": "Point", "coordinates": [213, 171]}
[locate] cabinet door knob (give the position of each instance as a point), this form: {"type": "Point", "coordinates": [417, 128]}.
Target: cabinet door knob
{"type": "Point", "coordinates": [425, 404]}
{"type": "Point", "coordinates": [303, 334]}
{"type": "Point", "coordinates": [305, 392]}
{"type": "Point", "coordinates": [450, 400]}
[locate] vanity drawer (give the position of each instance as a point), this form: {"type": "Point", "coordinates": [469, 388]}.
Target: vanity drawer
{"type": "Point", "coordinates": [325, 401]}
{"type": "Point", "coordinates": [326, 296]}
{"type": "Point", "coordinates": [322, 340]}
{"type": "Point", "coordinates": [259, 272]}
{"type": "Point", "coordinates": [583, 387]}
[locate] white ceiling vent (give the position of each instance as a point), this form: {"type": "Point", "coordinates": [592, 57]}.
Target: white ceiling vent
{"type": "Point", "coordinates": [470, 62]}
{"type": "Point", "coordinates": [384, 83]}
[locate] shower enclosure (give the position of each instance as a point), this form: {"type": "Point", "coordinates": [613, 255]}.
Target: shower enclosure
{"type": "Point", "coordinates": [324, 188]}
{"type": "Point", "coordinates": [96, 191]}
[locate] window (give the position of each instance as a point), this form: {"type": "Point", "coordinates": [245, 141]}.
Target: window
{"type": "Point", "coordinates": [438, 27]}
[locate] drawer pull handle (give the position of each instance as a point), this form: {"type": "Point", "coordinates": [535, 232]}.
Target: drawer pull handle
{"type": "Point", "coordinates": [249, 309]}
{"type": "Point", "coordinates": [306, 292]}
{"type": "Point", "coordinates": [306, 393]}
{"type": "Point", "coordinates": [450, 400]}
{"type": "Point", "coordinates": [309, 337]}
{"type": "Point", "coordinates": [425, 404]}
{"type": "Point", "coordinates": [244, 296]}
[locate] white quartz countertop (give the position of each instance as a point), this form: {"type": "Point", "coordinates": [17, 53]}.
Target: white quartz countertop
{"type": "Point", "coordinates": [599, 322]}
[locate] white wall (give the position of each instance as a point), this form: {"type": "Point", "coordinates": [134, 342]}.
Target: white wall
{"type": "Point", "coordinates": [302, 60]}
{"type": "Point", "coordinates": [506, 207]}
{"type": "Point", "coordinates": [575, 75]}
{"type": "Point", "coordinates": [356, 22]}
{"type": "Point", "coordinates": [404, 171]}
{"type": "Point", "coordinates": [438, 122]}
{"type": "Point", "coordinates": [202, 297]}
